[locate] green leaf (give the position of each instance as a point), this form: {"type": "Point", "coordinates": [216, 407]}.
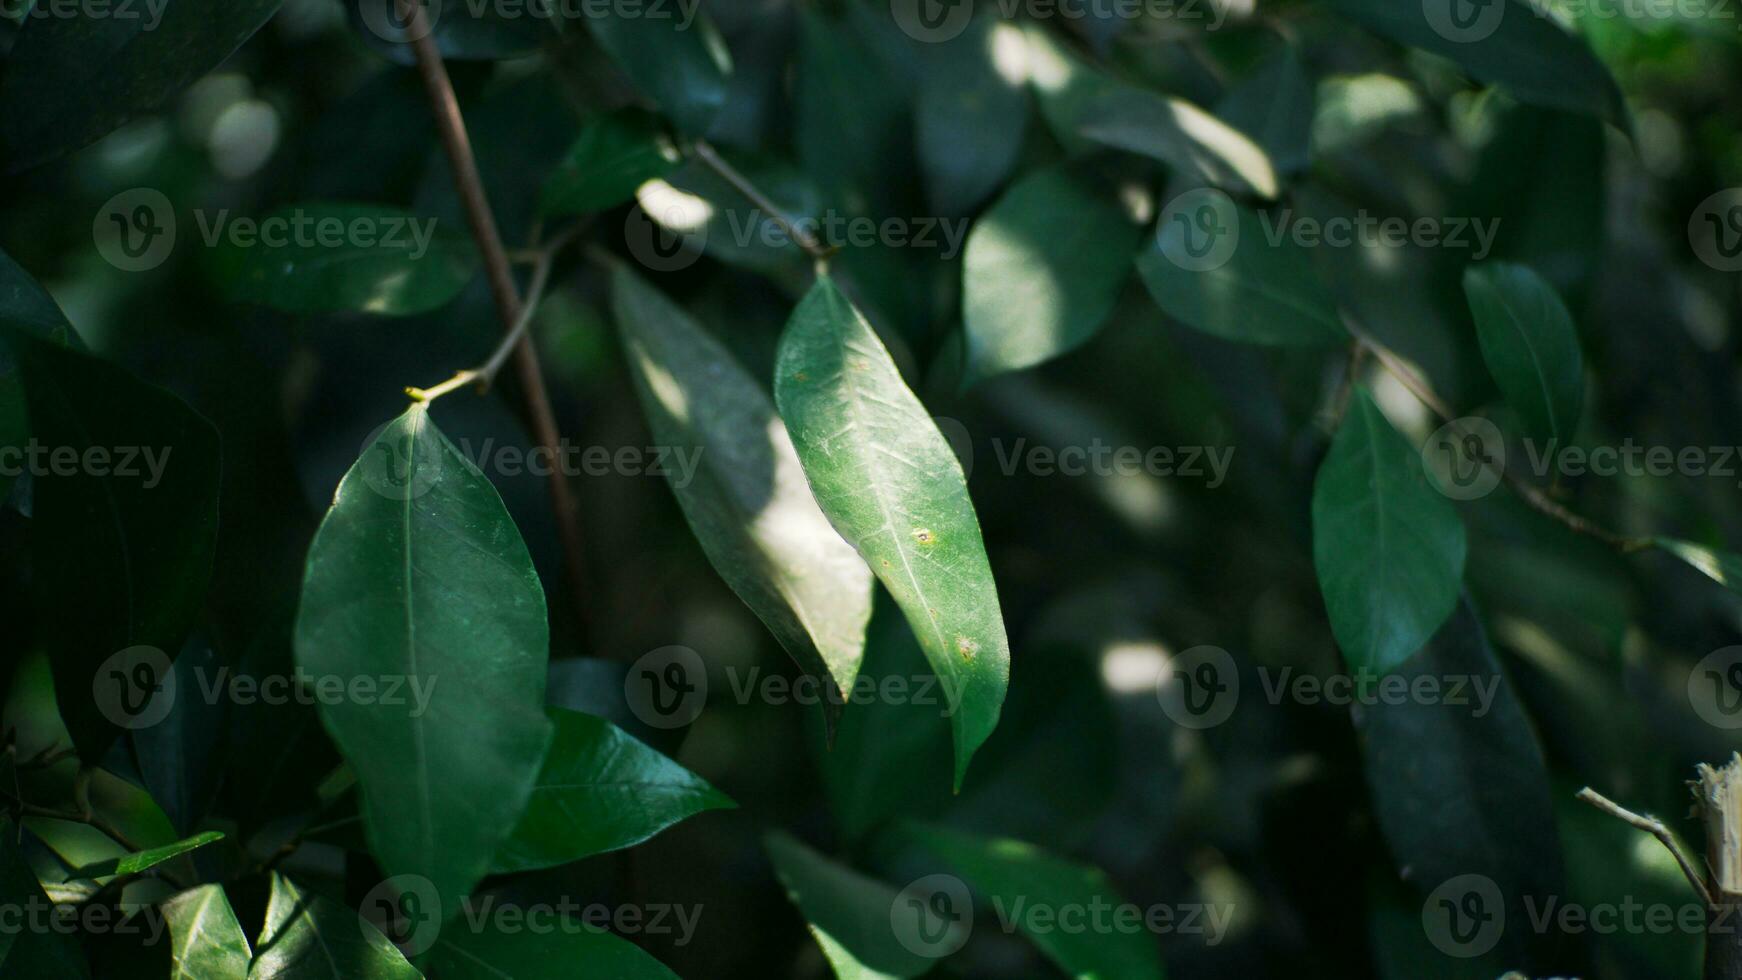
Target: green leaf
{"type": "Point", "coordinates": [180, 758]}
{"type": "Point", "coordinates": [888, 481]}
{"type": "Point", "coordinates": [1024, 882]}
{"type": "Point", "coordinates": [307, 937]}
{"type": "Point", "coordinates": [1195, 143]}
{"type": "Point", "coordinates": [1388, 547]}
{"type": "Point", "coordinates": [1043, 269]}
{"type": "Point", "coordinates": [139, 508]}
{"type": "Point", "coordinates": [969, 118]}
{"type": "Point", "coordinates": [1531, 347]}
{"type": "Point", "coordinates": [747, 501]}
{"type": "Point", "coordinates": [70, 80]}
{"type": "Point", "coordinates": [600, 790]}
{"type": "Point", "coordinates": [27, 306]}
{"type": "Point", "coordinates": [681, 65]}
{"type": "Point", "coordinates": [1458, 783]}
{"type": "Point", "coordinates": [1509, 43]}
{"type": "Point", "coordinates": [846, 911]}
{"type": "Point", "coordinates": [328, 258]}
{"type": "Point", "coordinates": [206, 941]}
{"type": "Point", "coordinates": [1722, 567]}
{"type": "Point", "coordinates": [151, 857]}
{"type": "Point", "coordinates": [1275, 105]}
{"type": "Point", "coordinates": [571, 950]}
{"type": "Point", "coordinates": [1246, 288]}
{"type": "Point", "coordinates": [31, 954]}
{"type": "Point", "coordinates": [418, 577]}
{"type": "Point", "coordinates": [614, 154]}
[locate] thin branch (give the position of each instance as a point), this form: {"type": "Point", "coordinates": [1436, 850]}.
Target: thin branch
{"type": "Point", "coordinates": [704, 152]}
{"type": "Point", "coordinates": [1655, 828]}
{"type": "Point", "coordinates": [1538, 501]}
{"type": "Point", "coordinates": [499, 273]}
{"type": "Point", "coordinates": [485, 374]}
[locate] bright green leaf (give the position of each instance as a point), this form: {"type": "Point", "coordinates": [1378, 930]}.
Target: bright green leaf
{"type": "Point", "coordinates": [419, 578]}
{"type": "Point", "coordinates": [138, 861]}
{"type": "Point", "coordinates": [614, 154]}
{"type": "Point", "coordinates": [70, 80]}
{"type": "Point", "coordinates": [1388, 547]}
{"type": "Point", "coordinates": [1043, 269]}
{"type": "Point", "coordinates": [1722, 567]}
{"type": "Point", "coordinates": [888, 481]}
{"type": "Point", "coordinates": [1029, 887]}
{"type": "Point", "coordinates": [746, 501]}
{"type": "Point", "coordinates": [600, 790]}
{"type": "Point", "coordinates": [1531, 347]}
{"type": "Point", "coordinates": [846, 911]}
{"type": "Point", "coordinates": [206, 941]}
{"type": "Point", "coordinates": [308, 937]}
{"type": "Point", "coordinates": [342, 257]}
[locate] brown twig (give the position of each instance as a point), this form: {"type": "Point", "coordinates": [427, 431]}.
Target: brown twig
{"type": "Point", "coordinates": [1537, 500]}
{"type": "Point", "coordinates": [705, 152]}
{"type": "Point", "coordinates": [499, 272]}
{"type": "Point", "coordinates": [1655, 828]}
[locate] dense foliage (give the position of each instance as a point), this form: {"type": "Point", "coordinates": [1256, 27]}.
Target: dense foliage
{"type": "Point", "coordinates": [635, 488]}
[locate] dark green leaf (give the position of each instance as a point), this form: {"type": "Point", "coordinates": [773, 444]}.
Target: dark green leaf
{"type": "Point", "coordinates": [747, 500]}
{"type": "Point", "coordinates": [1388, 547]}
{"type": "Point", "coordinates": [1215, 267]}
{"type": "Point", "coordinates": [327, 258]}
{"type": "Point", "coordinates": [138, 861]}
{"type": "Point", "coordinates": [1193, 142]}
{"type": "Point", "coordinates": [181, 757]}
{"type": "Point", "coordinates": [206, 941]}
{"type": "Point", "coordinates": [615, 153]}
{"type": "Point", "coordinates": [891, 485]}
{"type": "Point", "coordinates": [1531, 347]}
{"type": "Point", "coordinates": [970, 116]}
{"type": "Point", "coordinates": [1458, 781]}
{"type": "Point", "coordinates": [71, 80]}
{"type": "Point", "coordinates": [463, 29]}
{"type": "Point", "coordinates": [1508, 42]}
{"type": "Point", "coordinates": [569, 951]}
{"type": "Point", "coordinates": [419, 578]}
{"type": "Point", "coordinates": [846, 911]}
{"type": "Point", "coordinates": [681, 65]}
{"type": "Point", "coordinates": [1043, 269]}
{"type": "Point", "coordinates": [307, 937]}
{"type": "Point", "coordinates": [600, 790]}
{"type": "Point", "coordinates": [123, 549]}
{"type": "Point", "coordinates": [1029, 886]}
{"type": "Point", "coordinates": [31, 953]}
{"type": "Point", "coordinates": [1275, 106]}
